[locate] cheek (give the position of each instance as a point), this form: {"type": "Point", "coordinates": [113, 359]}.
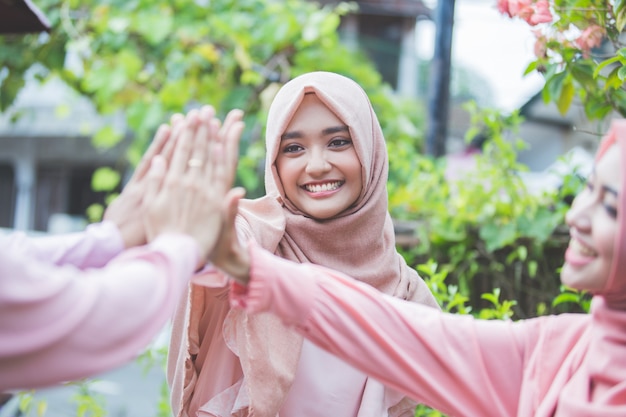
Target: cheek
{"type": "Point", "coordinates": [351, 166]}
{"type": "Point", "coordinates": [287, 173]}
{"type": "Point", "coordinates": [605, 240]}
{"type": "Point", "coordinates": [282, 167]}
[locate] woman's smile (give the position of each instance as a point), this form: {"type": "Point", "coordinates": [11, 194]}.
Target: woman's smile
{"type": "Point", "coordinates": [578, 254]}
{"type": "Point", "coordinates": [317, 162]}
{"type": "Point", "coordinates": [319, 188]}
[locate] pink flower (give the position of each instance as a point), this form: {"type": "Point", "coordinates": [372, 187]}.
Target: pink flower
{"type": "Point", "coordinates": [541, 13]}
{"type": "Point", "coordinates": [503, 7]}
{"type": "Point", "coordinates": [532, 11]}
{"type": "Point", "coordinates": [541, 44]}
{"type": "Point", "coordinates": [590, 38]}
{"type": "Point", "coordinates": [520, 7]}
{"type": "Point", "coordinates": [512, 8]}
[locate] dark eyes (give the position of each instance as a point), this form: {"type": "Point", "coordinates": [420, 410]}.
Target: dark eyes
{"type": "Point", "coordinates": [611, 209]}
{"type": "Point", "coordinates": [335, 143]}
{"type": "Point", "coordinates": [293, 148]}
{"type": "Point", "coordinates": [607, 198]}
{"type": "Point", "coordinates": [339, 142]}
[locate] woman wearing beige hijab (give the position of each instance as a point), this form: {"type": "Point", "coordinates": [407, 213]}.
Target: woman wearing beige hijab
{"type": "Point", "coordinates": [326, 203]}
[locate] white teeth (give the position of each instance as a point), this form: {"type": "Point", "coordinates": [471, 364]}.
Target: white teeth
{"type": "Point", "coordinates": [580, 248]}
{"type": "Point", "coordinates": [323, 187]}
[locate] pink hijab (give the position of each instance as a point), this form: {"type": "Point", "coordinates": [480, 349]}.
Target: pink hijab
{"type": "Point", "coordinates": [359, 242]}
{"type": "Point", "coordinates": [589, 370]}
{"type": "Point", "coordinates": [615, 290]}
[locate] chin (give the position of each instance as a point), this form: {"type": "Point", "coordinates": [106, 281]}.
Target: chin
{"type": "Point", "coordinates": [568, 278]}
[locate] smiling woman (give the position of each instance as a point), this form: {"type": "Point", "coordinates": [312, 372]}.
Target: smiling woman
{"type": "Point", "coordinates": [591, 251]}
{"type": "Point", "coordinates": [317, 163]}
{"type": "Point", "coordinates": [568, 365]}
{"type": "Point", "coordinates": [326, 203]}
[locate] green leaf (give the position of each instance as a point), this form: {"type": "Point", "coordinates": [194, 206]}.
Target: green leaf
{"type": "Point", "coordinates": [565, 98]}
{"type": "Point", "coordinates": [9, 88]}
{"type": "Point", "coordinates": [584, 74]}
{"type": "Point", "coordinates": [95, 212]}
{"type": "Point", "coordinates": [621, 74]}
{"type": "Point", "coordinates": [130, 62]}
{"type": "Point", "coordinates": [613, 81]}
{"type": "Point", "coordinates": [603, 65]}
{"type": "Point", "coordinates": [530, 68]}
{"type": "Point", "coordinates": [620, 14]}
{"type": "Point", "coordinates": [555, 85]}
{"type": "Point", "coordinates": [566, 297]}
{"type": "Point", "coordinates": [154, 25]}
{"type": "Point", "coordinates": [497, 236]}
{"type": "Point", "coordinates": [105, 179]}
{"type": "Point", "coordinates": [106, 137]}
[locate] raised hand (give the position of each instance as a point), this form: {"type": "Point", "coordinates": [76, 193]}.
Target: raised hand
{"type": "Point", "coordinates": [187, 195]}
{"type": "Point", "coordinates": [125, 211]}
{"type": "Point", "coordinates": [229, 254]}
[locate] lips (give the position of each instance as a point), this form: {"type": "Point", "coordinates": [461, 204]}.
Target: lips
{"type": "Point", "coordinates": [320, 188]}
{"type": "Point", "coordinates": [578, 254]}
{"type": "Point", "coordinates": [583, 250]}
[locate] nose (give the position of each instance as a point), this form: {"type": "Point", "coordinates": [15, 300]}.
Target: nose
{"type": "Point", "coordinates": [579, 214]}
{"type": "Point", "coordinates": [317, 163]}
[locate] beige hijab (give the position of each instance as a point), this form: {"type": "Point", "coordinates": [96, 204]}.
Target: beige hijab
{"type": "Point", "coordinates": [359, 242]}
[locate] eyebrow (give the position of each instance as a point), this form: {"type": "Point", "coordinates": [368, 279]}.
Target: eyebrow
{"type": "Point", "coordinates": [610, 190]}
{"type": "Point", "coordinates": [328, 131]}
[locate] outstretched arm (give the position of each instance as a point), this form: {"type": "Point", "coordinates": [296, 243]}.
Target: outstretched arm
{"type": "Point", "coordinates": [459, 365]}
{"type": "Point", "coordinates": [59, 323]}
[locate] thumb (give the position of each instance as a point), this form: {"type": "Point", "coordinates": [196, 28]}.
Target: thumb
{"type": "Point", "coordinates": [231, 206]}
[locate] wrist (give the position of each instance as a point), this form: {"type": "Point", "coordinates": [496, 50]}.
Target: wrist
{"type": "Point", "coordinates": [236, 264]}
{"type": "Point", "coordinates": [241, 265]}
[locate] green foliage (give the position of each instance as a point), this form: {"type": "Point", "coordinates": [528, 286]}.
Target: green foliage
{"type": "Point", "coordinates": [29, 406]}
{"type": "Point", "coordinates": [487, 232]}
{"type": "Point", "coordinates": [88, 402]}
{"type": "Point", "coordinates": [148, 59]}
{"type": "Point", "coordinates": [581, 55]}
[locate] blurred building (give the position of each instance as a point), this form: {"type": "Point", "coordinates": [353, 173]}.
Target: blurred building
{"type": "Point", "coordinates": [46, 155]}
{"type": "Point", "coordinates": [47, 159]}
{"type": "Point", "coordinates": [385, 31]}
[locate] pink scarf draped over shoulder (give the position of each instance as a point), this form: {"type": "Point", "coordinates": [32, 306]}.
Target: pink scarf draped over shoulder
{"type": "Point", "coordinates": [359, 242]}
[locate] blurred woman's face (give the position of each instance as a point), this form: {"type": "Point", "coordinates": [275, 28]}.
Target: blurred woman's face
{"type": "Point", "coordinates": [593, 222]}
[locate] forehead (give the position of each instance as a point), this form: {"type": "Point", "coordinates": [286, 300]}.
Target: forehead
{"type": "Point", "coordinates": [312, 111]}
{"type": "Point", "coordinates": [609, 168]}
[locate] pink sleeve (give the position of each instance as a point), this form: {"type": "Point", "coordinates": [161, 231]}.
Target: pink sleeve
{"type": "Point", "coordinates": [459, 365]}
{"type": "Point", "coordinates": [94, 247]}
{"type": "Point", "coordinates": [59, 323]}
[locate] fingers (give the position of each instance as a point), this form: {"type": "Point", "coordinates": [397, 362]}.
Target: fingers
{"type": "Point", "coordinates": [176, 122]}
{"type": "Point", "coordinates": [155, 178]}
{"type": "Point", "coordinates": [214, 167]}
{"type": "Point", "coordinates": [231, 207]}
{"type": "Point", "coordinates": [184, 144]}
{"type": "Point", "coordinates": [160, 140]}
{"type": "Point", "coordinates": [230, 135]}
{"type": "Point", "coordinates": [202, 138]}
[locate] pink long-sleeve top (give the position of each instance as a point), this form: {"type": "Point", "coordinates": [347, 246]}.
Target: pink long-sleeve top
{"type": "Point", "coordinates": [454, 363]}
{"type": "Point", "coordinates": [76, 305]}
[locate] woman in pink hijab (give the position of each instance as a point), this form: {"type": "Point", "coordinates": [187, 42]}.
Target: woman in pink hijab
{"type": "Point", "coordinates": [326, 204]}
{"type": "Point", "coordinates": [568, 365]}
